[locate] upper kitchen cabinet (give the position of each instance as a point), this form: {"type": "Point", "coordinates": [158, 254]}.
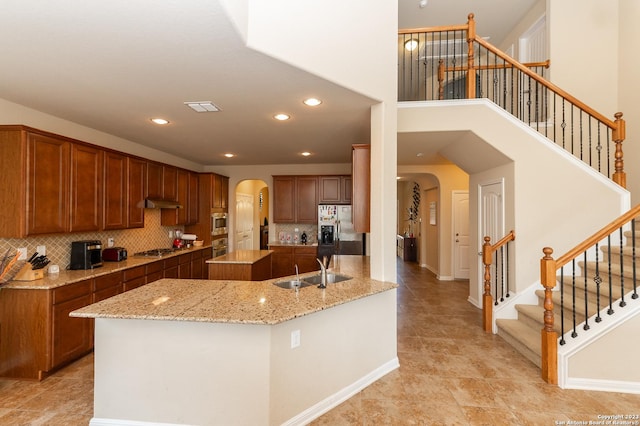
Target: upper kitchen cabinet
{"type": "Point", "coordinates": [172, 217]}
{"type": "Point", "coordinates": [169, 183]}
{"type": "Point", "coordinates": [154, 180]}
{"type": "Point", "coordinates": [295, 199]}
{"type": "Point", "coordinates": [115, 191]}
{"type": "Point", "coordinates": [335, 189]}
{"type": "Point", "coordinates": [220, 192]}
{"type": "Point", "coordinates": [34, 169]}
{"type": "Point", "coordinates": [137, 178]}
{"type": "Point", "coordinates": [361, 163]}
{"type": "Point", "coordinates": [86, 188]}
{"type": "Point", "coordinates": [193, 200]}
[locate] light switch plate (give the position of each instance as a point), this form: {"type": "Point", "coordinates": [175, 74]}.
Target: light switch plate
{"type": "Point", "coordinates": [23, 253]}
{"type": "Point", "coordinates": [110, 242]}
{"type": "Point", "coordinates": [42, 250]}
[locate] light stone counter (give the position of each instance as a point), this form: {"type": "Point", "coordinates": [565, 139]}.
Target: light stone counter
{"type": "Point", "coordinates": [67, 276]}
{"type": "Point", "coordinates": [246, 257]}
{"type": "Point", "coordinates": [243, 302]}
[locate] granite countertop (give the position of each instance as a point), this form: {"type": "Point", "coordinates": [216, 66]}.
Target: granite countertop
{"type": "Point", "coordinates": [238, 302]}
{"type": "Point", "coordinates": [246, 257]}
{"type": "Point", "coordinates": [67, 276]}
{"type": "Point", "coordinates": [279, 244]}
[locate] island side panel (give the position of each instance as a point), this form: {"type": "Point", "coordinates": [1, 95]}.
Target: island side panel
{"type": "Point", "coordinates": [342, 349]}
{"type": "Point", "coordinates": [181, 372]}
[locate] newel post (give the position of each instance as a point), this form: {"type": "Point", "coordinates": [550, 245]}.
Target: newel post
{"type": "Point", "coordinates": [549, 344]}
{"type": "Point", "coordinates": [487, 300]}
{"type": "Point", "coordinates": [619, 135]}
{"type": "Point", "coordinates": [471, 70]}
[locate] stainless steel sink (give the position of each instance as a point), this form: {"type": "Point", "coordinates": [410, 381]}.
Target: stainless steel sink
{"type": "Point", "coordinates": [331, 278]}
{"type": "Point", "coordinates": [291, 284]}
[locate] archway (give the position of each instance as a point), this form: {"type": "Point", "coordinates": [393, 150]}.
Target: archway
{"type": "Point", "coordinates": [250, 230]}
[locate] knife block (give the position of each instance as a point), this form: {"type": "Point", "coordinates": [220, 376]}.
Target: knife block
{"type": "Point", "coordinates": [27, 274]}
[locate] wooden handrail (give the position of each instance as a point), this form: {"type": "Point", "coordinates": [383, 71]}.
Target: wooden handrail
{"type": "Point", "coordinates": [598, 236]}
{"type": "Point", "coordinates": [487, 252]}
{"type": "Point", "coordinates": [545, 64]}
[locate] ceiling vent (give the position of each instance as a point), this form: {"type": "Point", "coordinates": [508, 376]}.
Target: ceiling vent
{"type": "Point", "coordinates": [203, 106]}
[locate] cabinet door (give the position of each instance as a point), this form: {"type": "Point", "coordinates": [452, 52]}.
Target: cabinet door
{"type": "Point", "coordinates": [47, 185]}
{"type": "Point", "coordinates": [154, 271]}
{"type": "Point", "coordinates": [137, 170]}
{"type": "Point", "coordinates": [329, 189]}
{"type": "Point", "coordinates": [71, 336]}
{"type": "Point", "coordinates": [282, 262]}
{"type": "Point", "coordinates": [115, 191]}
{"type": "Point", "coordinates": [224, 193]}
{"type": "Point", "coordinates": [86, 188]}
{"type": "Point", "coordinates": [361, 187]}
{"type": "Point", "coordinates": [193, 199]}
{"type": "Point", "coordinates": [172, 217]}
{"type": "Point", "coordinates": [346, 189]}
{"type": "Point", "coordinates": [284, 190]}
{"type": "Point", "coordinates": [216, 192]}
{"type": "Point", "coordinates": [306, 259]}
{"type": "Point", "coordinates": [155, 180]}
{"type": "Point", "coordinates": [184, 266]}
{"type": "Point", "coordinates": [306, 201]}
{"type": "Point", "coordinates": [169, 183]}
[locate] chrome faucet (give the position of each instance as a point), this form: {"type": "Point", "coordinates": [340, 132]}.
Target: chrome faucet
{"type": "Point", "coordinates": [324, 265]}
{"type": "Point", "coordinates": [297, 277]}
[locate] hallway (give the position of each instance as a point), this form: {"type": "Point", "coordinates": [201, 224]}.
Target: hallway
{"type": "Point", "coordinates": [451, 373]}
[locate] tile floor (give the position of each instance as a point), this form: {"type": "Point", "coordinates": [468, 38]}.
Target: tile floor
{"type": "Point", "coordinates": [451, 373]}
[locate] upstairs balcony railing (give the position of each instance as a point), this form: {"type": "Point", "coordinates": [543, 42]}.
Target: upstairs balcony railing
{"type": "Point", "coordinates": [454, 63]}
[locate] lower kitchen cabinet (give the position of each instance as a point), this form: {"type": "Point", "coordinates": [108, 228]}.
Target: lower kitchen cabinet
{"type": "Point", "coordinates": [306, 258]}
{"type": "Point", "coordinates": [134, 277]}
{"type": "Point", "coordinates": [284, 259]}
{"type": "Point", "coordinates": [170, 267]}
{"type": "Point", "coordinates": [154, 271]}
{"type": "Point", "coordinates": [106, 286]}
{"type": "Point", "coordinates": [71, 337]}
{"type": "Point", "coordinates": [196, 264]}
{"type": "Point", "coordinates": [184, 266]}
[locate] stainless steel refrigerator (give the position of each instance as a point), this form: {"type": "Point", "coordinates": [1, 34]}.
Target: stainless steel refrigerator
{"type": "Point", "coordinates": [335, 230]}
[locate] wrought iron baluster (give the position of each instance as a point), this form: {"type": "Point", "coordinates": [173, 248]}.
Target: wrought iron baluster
{"type": "Point", "coordinates": [562, 341]}
{"type": "Point", "coordinates": [507, 269]}
{"type": "Point", "coordinates": [586, 298]}
{"type": "Point", "coordinates": [598, 280]}
{"type": "Point", "coordinates": [501, 273]}
{"type": "Point", "coordinates": [622, 303]}
{"type": "Point", "coordinates": [610, 311]}
{"type": "Point", "coordinates": [574, 333]}
{"type": "Point", "coordinates": [633, 258]}
{"type": "Point", "coordinates": [495, 278]}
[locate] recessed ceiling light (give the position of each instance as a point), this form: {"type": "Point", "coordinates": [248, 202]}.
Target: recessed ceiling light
{"type": "Point", "coordinates": [229, 155]}
{"type": "Point", "coordinates": [420, 154]}
{"type": "Point", "coordinates": [281, 117]}
{"type": "Point", "coordinates": [312, 102]}
{"type": "Point", "coordinates": [202, 106]}
{"type": "Point", "coordinates": [305, 154]}
{"type": "Point", "coordinates": [411, 45]}
{"type": "Point", "coordinates": [160, 121]}
{"type": "Point", "coordinates": [398, 178]}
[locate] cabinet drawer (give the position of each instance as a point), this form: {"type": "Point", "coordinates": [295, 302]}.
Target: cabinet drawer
{"type": "Point", "coordinates": [106, 281]}
{"type": "Point", "coordinates": [184, 258]}
{"type": "Point", "coordinates": [153, 276]}
{"type": "Point", "coordinates": [171, 262]}
{"type": "Point", "coordinates": [312, 250]}
{"type": "Point", "coordinates": [154, 267]}
{"type": "Point", "coordinates": [107, 293]}
{"type": "Point", "coordinates": [135, 283]}
{"type": "Point", "coordinates": [137, 272]}
{"type": "Point", "coordinates": [72, 291]}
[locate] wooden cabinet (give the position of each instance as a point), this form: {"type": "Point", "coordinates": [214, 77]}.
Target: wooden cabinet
{"type": "Point", "coordinates": [184, 266]}
{"type": "Point", "coordinates": [193, 200]}
{"type": "Point", "coordinates": [409, 249]}
{"type": "Point", "coordinates": [137, 177]}
{"type": "Point", "coordinates": [86, 188]}
{"type": "Point", "coordinates": [71, 337]}
{"type": "Point", "coordinates": [284, 259]}
{"type": "Point", "coordinates": [115, 191]}
{"type": "Point", "coordinates": [106, 286]}
{"type": "Point", "coordinates": [155, 180]}
{"type": "Point", "coordinates": [295, 199]}
{"type": "Point", "coordinates": [47, 184]}
{"type": "Point", "coordinates": [169, 183]}
{"type": "Point", "coordinates": [196, 265]}
{"type": "Point", "coordinates": [172, 217]}
{"type": "Point", "coordinates": [220, 192]}
{"type": "Point", "coordinates": [334, 189]}
{"type": "Point", "coordinates": [154, 271]}
{"type": "Point", "coordinates": [361, 174]}
{"type": "Point", "coordinates": [224, 194]}
{"type": "Point", "coordinates": [134, 277]}
{"type": "Point", "coordinates": [170, 267]}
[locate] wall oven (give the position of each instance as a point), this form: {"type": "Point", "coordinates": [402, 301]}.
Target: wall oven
{"type": "Point", "coordinates": [220, 246]}
{"type": "Point", "coordinates": [218, 224]}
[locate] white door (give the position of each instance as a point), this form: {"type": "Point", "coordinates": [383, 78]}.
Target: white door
{"type": "Point", "coordinates": [244, 222]}
{"type": "Point", "coordinates": [491, 221]}
{"type": "Point", "coordinates": [461, 235]}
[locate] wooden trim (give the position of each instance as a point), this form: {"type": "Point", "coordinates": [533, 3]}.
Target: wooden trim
{"type": "Point", "coordinates": [487, 299]}
{"type": "Point", "coordinates": [544, 64]}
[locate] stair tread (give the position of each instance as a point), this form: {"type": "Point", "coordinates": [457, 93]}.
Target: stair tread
{"type": "Point", "coordinates": [521, 332]}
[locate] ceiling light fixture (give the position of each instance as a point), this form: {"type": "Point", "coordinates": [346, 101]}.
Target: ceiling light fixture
{"type": "Point", "coordinates": [422, 3]}
{"type": "Point", "coordinates": [202, 106]}
{"type": "Point", "coordinates": [411, 45]}
{"type": "Point", "coordinates": [312, 102]}
{"type": "Point", "coordinates": [282, 117]}
{"type": "Point", "coordinates": [160, 121]}
{"type": "Point", "coordinates": [305, 154]}
{"type": "Point", "coordinates": [229, 155]}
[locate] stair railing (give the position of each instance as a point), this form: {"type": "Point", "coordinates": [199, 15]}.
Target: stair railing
{"type": "Point", "coordinates": [495, 257]}
{"type": "Point", "coordinates": [453, 62]}
{"type": "Point", "coordinates": [551, 269]}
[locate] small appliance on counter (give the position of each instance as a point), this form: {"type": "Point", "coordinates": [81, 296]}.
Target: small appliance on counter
{"type": "Point", "coordinates": [33, 269]}
{"type": "Point", "coordinates": [86, 254]}
{"type": "Point", "coordinates": [114, 254]}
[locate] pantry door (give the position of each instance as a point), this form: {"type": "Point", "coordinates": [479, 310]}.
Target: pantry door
{"type": "Point", "coordinates": [244, 222]}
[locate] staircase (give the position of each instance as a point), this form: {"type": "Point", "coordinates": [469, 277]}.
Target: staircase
{"type": "Point", "coordinates": [523, 333]}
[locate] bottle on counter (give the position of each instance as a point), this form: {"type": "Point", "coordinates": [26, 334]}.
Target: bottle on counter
{"type": "Point", "coordinates": [303, 238]}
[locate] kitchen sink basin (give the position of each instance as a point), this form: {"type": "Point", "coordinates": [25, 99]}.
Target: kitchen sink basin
{"type": "Point", "coordinates": [331, 278]}
{"type": "Point", "coordinates": [291, 284]}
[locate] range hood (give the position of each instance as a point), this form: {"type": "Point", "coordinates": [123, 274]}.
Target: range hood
{"type": "Point", "coordinates": [161, 204]}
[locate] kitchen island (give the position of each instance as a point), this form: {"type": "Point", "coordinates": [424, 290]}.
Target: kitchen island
{"type": "Point", "coordinates": [238, 352]}
{"type": "Point", "coordinates": [241, 265]}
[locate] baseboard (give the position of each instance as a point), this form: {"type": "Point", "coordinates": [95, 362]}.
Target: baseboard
{"type": "Point", "coordinates": [602, 385]}
{"type": "Point", "coordinates": [339, 397]}
{"type": "Point", "coordinates": [304, 417]}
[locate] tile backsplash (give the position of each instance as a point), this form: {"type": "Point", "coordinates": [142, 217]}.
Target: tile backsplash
{"type": "Point", "coordinates": [153, 235]}
{"type": "Point", "coordinates": [289, 230]}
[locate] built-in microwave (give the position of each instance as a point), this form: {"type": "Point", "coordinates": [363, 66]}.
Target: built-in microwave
{"type": "Point", "coordinates": [218, 223]}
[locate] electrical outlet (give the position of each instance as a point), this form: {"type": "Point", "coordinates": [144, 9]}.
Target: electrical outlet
{"type": "Point", "coordinates": [110, 242]}
{"type": "Point", "coordinates": [23, 253]}
{"type": "Point", "coordinates": [42, 250]}
{"type": "Point", "coordinates": [170, 234]}
{"type": "Point", "coordinates": [295, 339]}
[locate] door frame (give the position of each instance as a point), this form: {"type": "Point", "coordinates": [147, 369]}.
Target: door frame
{"type": "Point", "coordinates": [453, 236]}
